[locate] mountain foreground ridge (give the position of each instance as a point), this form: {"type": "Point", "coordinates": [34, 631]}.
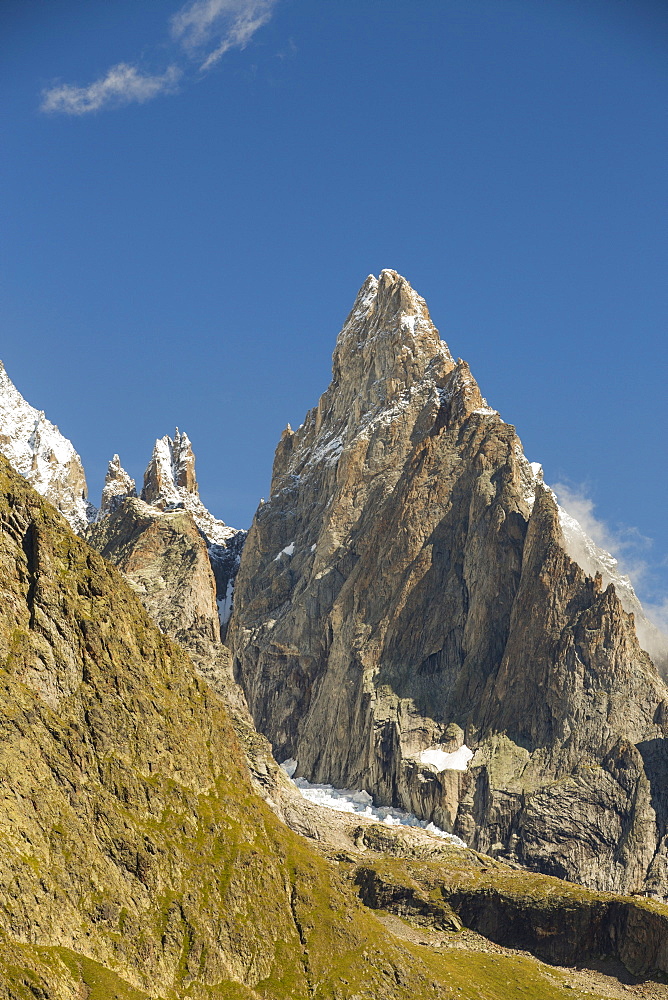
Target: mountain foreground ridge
{"type": "Point", "coordinates": [138, 862]}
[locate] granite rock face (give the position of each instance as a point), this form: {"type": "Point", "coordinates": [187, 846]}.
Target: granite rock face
{"type": "Point", "coordinates": [41, 454]}
{"type": "Point", "coordinates": [407, 588]}
{"type": "Point", "coordinates": [170, 483]}
{"type": "Point", "coordinates": [180, 559]}
{"type": "Point", "coordinates": [118, 486]}
{"type": "Point", "coordinates": [164, 557]}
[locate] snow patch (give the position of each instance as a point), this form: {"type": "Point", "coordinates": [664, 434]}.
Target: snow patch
{"type": "Point", "coordinates": [288, 551]}
{"type": "Point", "coordinates": [225, 603]}
{"type": "Point", "coordinates": [458, 760]}
{"type": "Point", "coordinates": [360, 802]}
{"type": "Point", "coordinates": [328, 451]}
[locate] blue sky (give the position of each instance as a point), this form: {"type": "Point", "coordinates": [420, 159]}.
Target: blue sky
{"type": "Point", "coordinates": [193, 193]}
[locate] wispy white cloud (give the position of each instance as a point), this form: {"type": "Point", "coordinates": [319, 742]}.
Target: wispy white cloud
{"type": "Point", "coordinates": [657, 611]}
{"type": "Point", "coordinates": [632, 551]}
{"type": "Point", "coordinates": [629, 546]}
{"type": "Point", "coordinates": [204, 31]}
{"type": "Point", "coordinates": [208, 29]}
{"type": "Point", "coordinates": [123, 84]}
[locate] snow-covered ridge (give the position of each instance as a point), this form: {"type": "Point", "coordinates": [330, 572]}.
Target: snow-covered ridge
{"type": "Point", "coordinates": [41, 454]}
{"type": "Point", "coordinates": [361, 803]}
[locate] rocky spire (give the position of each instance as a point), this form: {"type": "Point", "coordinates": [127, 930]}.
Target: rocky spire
{"type": "Point", "coordinates": [39, 452]}
{"type": "Point", "coordinates": [118, 485]}
{"type": "Point", "coordinates": [169, 483]}
{"type": "Point", "coordinates": [403, 584]}
{"type": "Point", "coordinates": [170, 475]}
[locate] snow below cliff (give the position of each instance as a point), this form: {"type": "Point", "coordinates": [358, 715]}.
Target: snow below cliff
{"type": "Point", "coordinates": [360, 802]}
{"type": "Point", "coordinates": [458, 760]}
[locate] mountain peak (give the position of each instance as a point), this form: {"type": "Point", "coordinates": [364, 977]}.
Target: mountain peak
{"type": "Point", "coordinates": [170, 481]}
{"type": "Point", "coordinates": [170, 472]}
{"type": "Point", "coordinates": [387, 310]}
{"type": "Point", "coordinates": [118, 485]}
{"type": "Point", "coordinates": [389, 359]}
{"type": "Point", "coordinates": [41, 454]}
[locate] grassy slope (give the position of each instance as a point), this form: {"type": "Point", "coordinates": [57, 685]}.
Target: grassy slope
{"type": "Point", "coordinates": [135, 860]}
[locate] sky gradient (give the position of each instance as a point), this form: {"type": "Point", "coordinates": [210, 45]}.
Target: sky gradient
{"type": "Point", "coordinates": [194, 193]}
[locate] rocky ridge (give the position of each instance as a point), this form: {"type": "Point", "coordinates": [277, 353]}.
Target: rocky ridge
{"type": "Point", "coordinates": [408, 588]}
{"type": "Point", "coordinates": [39, 452]}
{"type": "Point", "coordinates": [595, 560]}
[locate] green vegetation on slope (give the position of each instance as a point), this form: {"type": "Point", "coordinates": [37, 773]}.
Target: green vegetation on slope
{"type": "Point", "coordinates": [135, 859]}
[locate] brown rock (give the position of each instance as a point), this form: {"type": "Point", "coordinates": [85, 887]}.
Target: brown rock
{"type": "Point", "coordinates": [401, 579]}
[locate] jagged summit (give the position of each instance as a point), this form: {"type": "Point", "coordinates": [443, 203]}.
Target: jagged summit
{"type": "Point", "coordinates": [408, 590]}
{"type": "Point", "coordinates": [386, 336]}
{"type": "Point", "coordinates": [137, 536]}
{"type": "Point", "coordinates": [389, 359]}
{"type": "Point", "coordinates": [169, 481]}
{"type": "Point", "coordinates": [171, 472]}
{"type": "Point", "coordinates": [42, 455]}
{"type": "Point", "coordinates": [388, 355]}
{"type": "Point", "coordinates": [118, 485]}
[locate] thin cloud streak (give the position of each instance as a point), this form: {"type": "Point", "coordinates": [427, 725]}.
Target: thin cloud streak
{"type": "Point", "coordinates": [123, 84]}
{"type": "Point", "coordinates": [657, 611]}
{"type": "Point", "coordinates": [227, 24]}
{"type": "Point", "coordinates": [205, 31]}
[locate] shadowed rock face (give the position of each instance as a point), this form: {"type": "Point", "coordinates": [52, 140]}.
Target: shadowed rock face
{"type": "Point", "coordinates": [407, 586]}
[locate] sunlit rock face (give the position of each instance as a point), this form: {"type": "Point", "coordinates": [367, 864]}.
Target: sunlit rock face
{"type": "Point", "coordinates": [170, 483]}
{"type": "Point", "coordinates": [407, 590]}
{"type": "Point", "coordinates": [181, 559]}
{"type": "Point", "coordinates": [38, 451]}
{"type": "Point", "coordinates": [118, 486]}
